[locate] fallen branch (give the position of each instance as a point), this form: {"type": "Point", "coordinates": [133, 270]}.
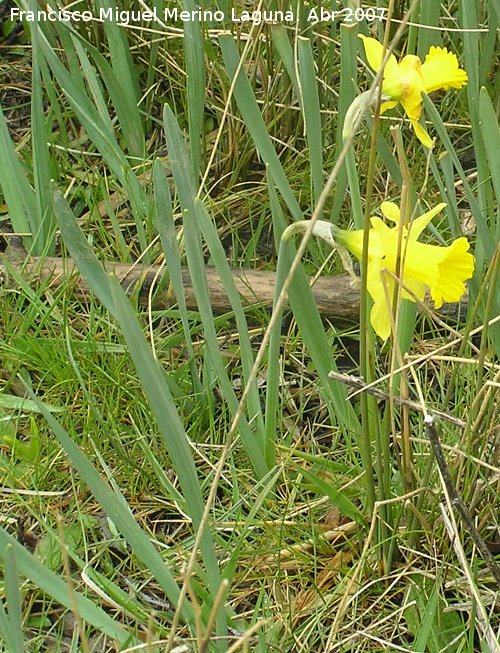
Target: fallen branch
{"type": "Point", "coordinates": [335, 296]}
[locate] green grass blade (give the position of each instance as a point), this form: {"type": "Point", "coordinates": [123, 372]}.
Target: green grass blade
{"type": "Point", "coordinates": [124, 79]}
{"type": "Point", "coordinates": [347, 91]}
{"type": "Point", "coordinates": [429, 16]}
{"type": "Point", "coordinates": [12, 402]}
{"type": "Point", "coordinates": [485, 236]}
{"type": "Point", "coordinates": [89, 78]}
{"type": "Point", "coordinates": [489, 44]}
{"type": "Point", "coordinates": [10, 638]}
{"type": "Point", "coordinates": [19, 195]}
{"type": "Point", "coordinates": [169, 424]}
{"type": "Point", "coordinates": [219, 257]}
{"type": "Point", "coordinates": [117, 509]}
{"type": "Point", "coordinates": [193, 215]}
{"type": "Point", "coordinates": [55, 587]}
{"type": "Point", "coordinates": [434, 628]}
{"type": "Point", "coordinates": [282, 44]}
{"type": "Point", "coordinates": [155, 388]}
{"type": "Point", "coordinates": [150, 373]}
{"type": "Point", "coordinates": [471, 46]}
{"type": "Point", "coordinates": [491, 141]}
{"type": "Point", "coordinates": [164, 223]}
{"type": "Point", "coordinates": [123, 101]}
{"type": "Point", "coordinates": [249, 109]}
{"type": "Point", "coordinates": [337, 498]}
{"type": "Point", "coordinates": [80, 250]}
{"type": "Point", "coordinates": [490, 130]}
{"type": "Point", "coordinates": [311, 327]}
{"type": "Point", "coordinates": [448, 192]}
{"type": "Point", "coordinates": [194, 57]}
{"type": "Point", "coordinates": [14, 601]}
{"type": "Point", "coordinates": [43, 239]}
{"type": "Point", "coordinates": [97, 123]}
{"type": "Point", "coordinates": [273, 403]}
{"type": "Point", "coordinates": [312, 115]}
{"type": "Point", "coordinates": [306, 89]}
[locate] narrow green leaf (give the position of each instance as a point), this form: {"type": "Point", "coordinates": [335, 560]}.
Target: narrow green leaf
{"type": "Point", "coordinates": [18, 194]}
{"type": "Point", "coordinates": [312, 114]}
{"type": "Point", "coordinates": [434, 628]}
{"type": "Point", "coordinates": [489, 44]}
{"type": "Point", "coordinates": [471, 49]}
{"type": "Point", "coordinates": [429, 17]}
{"type": "Point", "coordinates": [90, 268]}
{"type": "Point", "coordinates": [43, 239]}
{"type": "Point", "coordinates": [490, 130]}
{"type": "Point", "coordinates": [249, 109]}
{"type": "Point", "coordinates": [12, 402]}
{"type": "Point", "coordinates": [164, 223]}
{"type": "Point", "coordinates": [483, 231]}
{"type": "Point", "coordinates": [194, 57]}
{"type": "Point", "coordinates": [153, 382]}
{"type": "Point", "coordinates": [341, 501]}
{"type": "Point", "coordinates": [219, 258]}
{"type": "Point", "coordinates": [193, 214]}
{"type": "Point", "coordinates": [124, 78]}
{"type": "Point", "coordinates": [55, 587]}
{"type": "Point", "coordinates": [124, 102]}
{"type": "Point", "coordinates": [282, 44]}
{"type": "Point", "coordinates": [7, 633]}
{"type": "Point", "coordinates": [311, 327]}
{"type": "Point", "coordinates": [117, 510]}
{"type": "Point", "coordinates": [14, 600]}
{"type": "Point", "coordinates": [347, 91]}
{"type": "Point", "coordinates": [96, 123]}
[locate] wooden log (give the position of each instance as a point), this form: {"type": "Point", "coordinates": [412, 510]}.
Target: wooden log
{"type": "Point", "coordinates": [335, 296]}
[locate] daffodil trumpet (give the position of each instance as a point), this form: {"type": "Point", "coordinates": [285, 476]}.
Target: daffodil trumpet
{"type": "Point", "coordinates": [405, 82]}
{"type": "Point", "coordinates": [396, 257]}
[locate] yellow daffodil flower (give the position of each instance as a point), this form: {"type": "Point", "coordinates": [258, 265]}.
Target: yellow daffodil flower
{"type": "Point", "coordinates": [441, 269]}
{"type": "Point", "coordinates": [404, 82]}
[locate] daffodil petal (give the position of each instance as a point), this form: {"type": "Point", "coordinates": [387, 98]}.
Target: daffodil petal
{"type": "Point", "coordinates": [374, 55]}
{"type": "Point", "coordinates": [441, 70]}
{"type": "Point", "coordinates": [419, 224]}
{"type": "Point", "coordinates": [422, 135]}
{"type": "Point", "coordinates": [380, 318]}
{"type": "Point", "coordinates": [385, 106]}
{"type": "Point", "coordinates": [374, 278]}
{"type": "Point", "coordinates": [422, 262]}
{"type": "Point", "coordinates": [412, 104]}
{"type": "Point", "coordinates": [391, 211]}
{"type": "Point", "coordinates": [412, 288]}
{"type": "Point", "coordinates": [381, 292]}
{"type": "Point", "coordinates": [353, 241]}
{"type": "Point", "coordinates": [443, 269]}
{"type": "Point", "coordinates": [380, 227]}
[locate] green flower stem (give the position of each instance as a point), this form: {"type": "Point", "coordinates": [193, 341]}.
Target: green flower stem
{"type": "Point", "coordinates": [369, 411]}
{"type": "Point", "coordinates": [358, 107]}
{"type": "Point", "coordinates": [401, 339]}
{"type": "Point", "coordinates": [370, 415]}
